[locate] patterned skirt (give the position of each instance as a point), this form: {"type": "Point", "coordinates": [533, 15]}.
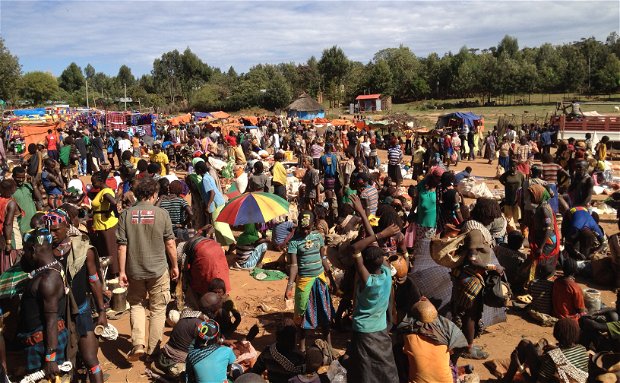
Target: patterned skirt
{"type": "Point", "coordinates": [313, 303]}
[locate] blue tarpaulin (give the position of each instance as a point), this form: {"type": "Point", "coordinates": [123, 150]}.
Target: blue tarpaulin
{"type": "Point", "coordinates": [465, 117]}
{"type": "Point", "coordinates": [201, 115]}
{"type": "Point", "coordinates": [29, 112]}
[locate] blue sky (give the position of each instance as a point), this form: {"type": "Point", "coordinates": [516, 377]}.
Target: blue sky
{"type": "Point", "coordinates": [48, 35]}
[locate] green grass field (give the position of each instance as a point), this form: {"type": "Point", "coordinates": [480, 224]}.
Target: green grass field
{"type": "Point", "coordinates": [541, 108]}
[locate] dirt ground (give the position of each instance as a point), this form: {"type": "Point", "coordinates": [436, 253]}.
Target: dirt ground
{"type": "Point", "coordinates": [262, 303]}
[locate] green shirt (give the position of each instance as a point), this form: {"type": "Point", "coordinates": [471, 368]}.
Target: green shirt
{"type": "Point", "coordinates": [144, 229]}
{"type": "Point", "coordinates": [65, 155]}
{"type": "Point", "coordinates": [24, 196]}
{"type": "Point", "coordinates": [308, 251]}
{"type": "Point", "coordinates": [427, 206]}
{"type": "Point", "coordinates": [372, 302]}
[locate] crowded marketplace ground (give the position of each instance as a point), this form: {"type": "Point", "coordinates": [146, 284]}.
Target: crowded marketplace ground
{"type": "Point", "coordinates": [302, 255]}
{"type": "Point", "coordinates": [260, 302]}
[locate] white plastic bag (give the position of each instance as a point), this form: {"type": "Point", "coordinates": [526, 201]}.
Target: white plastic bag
{"type": "Point", "coordinates": [336, 373]}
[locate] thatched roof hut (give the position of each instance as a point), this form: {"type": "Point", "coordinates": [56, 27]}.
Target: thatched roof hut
{"type": "Point", "coordinates": [305, 108]}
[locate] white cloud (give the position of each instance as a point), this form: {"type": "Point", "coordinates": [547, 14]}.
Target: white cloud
{"type": "Point", "coordinates": [48, 35]}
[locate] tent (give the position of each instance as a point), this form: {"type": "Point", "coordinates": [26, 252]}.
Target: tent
{"type": "Point", "coordinates": [458, 119]}
{"type": "Point", "coordinates": [305, 108]}
{"type": "Point", "coordinates": [220, 115]}
{"type": "Point", "coordinates": [29, 112]}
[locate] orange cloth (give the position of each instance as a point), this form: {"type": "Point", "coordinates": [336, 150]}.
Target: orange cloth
{"type": "Point", "coordinates": [567, 298]}
{"type": "Point", "coordinates": [428, 362]}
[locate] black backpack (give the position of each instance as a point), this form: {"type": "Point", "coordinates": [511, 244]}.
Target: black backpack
{"type": "Point", "coordinates": [497, 291]}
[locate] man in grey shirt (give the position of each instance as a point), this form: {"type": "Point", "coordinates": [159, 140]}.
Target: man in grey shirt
{"type": "Point", "coordinates": [144, 235]}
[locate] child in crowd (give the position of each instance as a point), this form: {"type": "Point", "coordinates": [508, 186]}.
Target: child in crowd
{"type": "Point", "coordinates": [314, 361]}
{"type": "Point", "coordinates": [567, 296]}
{"type": "Point", "coordinates": [228, 312]}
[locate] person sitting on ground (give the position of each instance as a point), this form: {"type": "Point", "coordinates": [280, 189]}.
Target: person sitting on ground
{"type": "Point", "coordinates": [460, 176]}
{"type": "Point", "coordinates": [282, 234]}
{"type": "Point", "coordinates": [567, 296]}
{"type": "Point", "coordinates": [171, 358]}
{"type": "Point", "coordinates": [581, 233]}
{"type": "Point", "coordinates": [513, 261]}
{"type": "Point", "coordinates": [568, 362]}
{"type": "Point", "coordinates": [540, 292]}
{"type": "Point", "coordinates": [250, 247]}
{"type": "Point", "coordinates": [228, 312]}
{"type": "Point", "coordinates": [208, 360]}
{"type": "Point", "coordinates": [314, 361]}
{"type": "Point", "coordinates": [432, 344]}
{"type": "Point", "coordinates": [281, 360]}
{"type": "Point", "coordinates": [258, 180]}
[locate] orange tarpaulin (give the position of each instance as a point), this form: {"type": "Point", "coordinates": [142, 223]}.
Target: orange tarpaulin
{"type": "Point", "coordinates": [253, 120]}
{"type": "Point", "coordinates": [33, 134]}
{"type": "Point", "coordinates": [321, 120]}
{"type": "Point", "coordinates": [182, 119]}
{"type": "Point", "coordinates": [219, 114]}
{"type": "Point", "coordinates": [342, 122]}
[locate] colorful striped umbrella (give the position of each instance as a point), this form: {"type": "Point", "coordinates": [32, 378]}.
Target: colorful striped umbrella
{"type": "Point", "coordinates": [255, 207]}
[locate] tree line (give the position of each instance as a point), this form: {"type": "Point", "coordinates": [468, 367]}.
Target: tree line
{"type": "Point", "coordinates": [183, 81]}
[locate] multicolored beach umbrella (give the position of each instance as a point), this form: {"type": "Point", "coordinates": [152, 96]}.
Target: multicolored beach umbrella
{"type": "Point", "coordinates": [255, 207]}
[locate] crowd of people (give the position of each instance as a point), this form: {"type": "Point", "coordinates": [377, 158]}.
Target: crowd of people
{"type": "Point", "coordinates": [88, 208]}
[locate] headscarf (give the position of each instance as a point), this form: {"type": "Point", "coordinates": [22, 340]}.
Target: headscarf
{"type": "Point", "coordinates": [56, 217]}
{"type": "Point", "coordinates": [539, 194]}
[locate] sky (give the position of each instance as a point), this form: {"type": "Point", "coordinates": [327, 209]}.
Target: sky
{"type": "Point", "coordinates": [49, 35]}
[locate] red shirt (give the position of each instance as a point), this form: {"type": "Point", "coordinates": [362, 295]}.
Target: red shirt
{"type": "Point", "coordinates": [52, 142]}
{"type": "Point", "coordinates": [209, 263]}
{"type": "Point", "coordinates": [232, 140]}
{"type": "Point", "coordinates": [567, 298]}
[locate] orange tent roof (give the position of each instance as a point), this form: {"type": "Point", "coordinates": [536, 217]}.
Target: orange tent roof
{"type": "Point", "coordinates": [182, 119]}
{"type": "Point", "coordinates": [219, 114]}
{"type": "Point", "coordinates": [252, 119]}
{"type": "Point", "coordinates": [342, 122]}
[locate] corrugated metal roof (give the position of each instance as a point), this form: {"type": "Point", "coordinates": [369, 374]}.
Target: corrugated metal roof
{"type": "Point", "coordinates": [368, 96]}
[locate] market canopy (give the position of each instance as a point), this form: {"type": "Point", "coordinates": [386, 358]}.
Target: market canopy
{"type": "Point", "coordinates": [467, 118]}
{"type": "Point", "coordinates": [220, 114]}
{"type": "Point", "coordinates": [29, 112]}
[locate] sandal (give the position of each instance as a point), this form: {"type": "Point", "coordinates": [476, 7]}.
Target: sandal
{"type": "Point", "coordinates": [135, 354]}
{"type": "Point", "coordinates": [475, 353]}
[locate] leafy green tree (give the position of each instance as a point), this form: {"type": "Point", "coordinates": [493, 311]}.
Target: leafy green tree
{"type": "Point", "coordinates": [607, 78]}
{"type": "Point", "coordinates": [125, 77]}
{"type": "Point", "coordinates": [333, 65]}
{"type": "Point", "coordinates": [509, 46]}
{"type": "Point", "coordinates": [380, 78]}
{"type": "Point", "coordinates": [72, 78]}
{"type": "Point", "coordinates": [309, 77]}
{"type": "Point", "coordinates": [10, 71]}
{"type": "Point", "coordinates": [89, 71]}
{"type": "Point", "coordinates": [277, 94]}
{"type": "Point", "coordinates": [38, 87]}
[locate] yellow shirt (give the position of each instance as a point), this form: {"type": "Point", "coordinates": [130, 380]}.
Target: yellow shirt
{"type": "Point", "coordinates": [279, 173]}
{"type": "Point", "coordinates": [162, 159]}
{"type": "Point", "coordinates": [103, 218]}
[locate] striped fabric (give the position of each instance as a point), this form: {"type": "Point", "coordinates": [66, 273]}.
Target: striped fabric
{"type": "Point", "coordinates": [576, 355]}
{"type": "Point", "coordinates": [394, 155]}
{"type": "Point", "coordinates": [550, 172]}
{"type": "Point", "coordinates": [541, 292]}
{"type": "Point", "coordinates": [175, 208]}
{"type": "Point", "coordinates": [371, 195]}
